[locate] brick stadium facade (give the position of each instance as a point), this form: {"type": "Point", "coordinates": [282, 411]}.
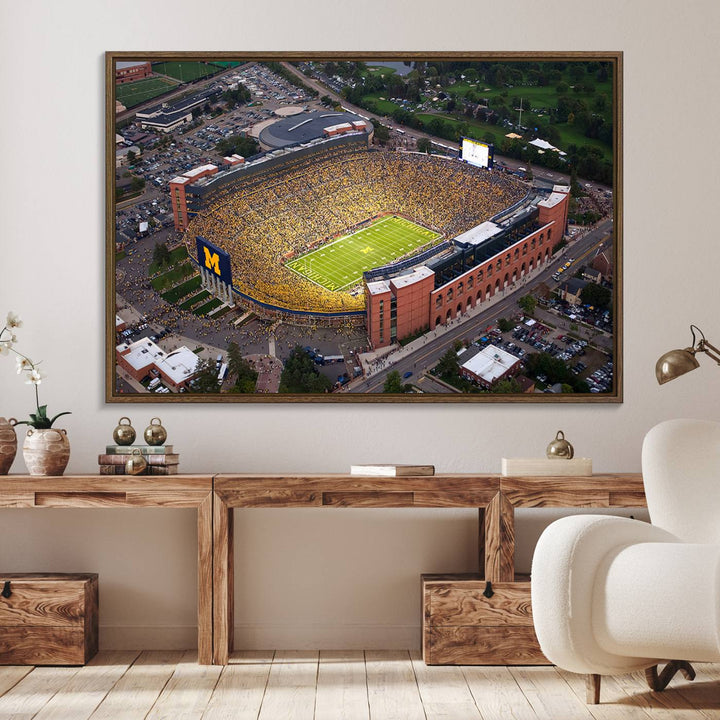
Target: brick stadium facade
{"type": "Point", "coordinates": [129, 71]}
{"type": "Point", "coordinates": [485, 261]}
{"type": "Point", "coordinates": [178, 192]}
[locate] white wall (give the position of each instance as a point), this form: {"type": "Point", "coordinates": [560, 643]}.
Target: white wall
{"type": "Point", "coordinates": [331, 578]}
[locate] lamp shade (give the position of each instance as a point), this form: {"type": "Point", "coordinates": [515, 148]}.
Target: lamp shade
{"type": "Point", "coordinates": [675, 363]}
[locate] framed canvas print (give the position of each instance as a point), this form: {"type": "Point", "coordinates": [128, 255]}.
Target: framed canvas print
{"type": "Point", "coordinates": [370, 227]}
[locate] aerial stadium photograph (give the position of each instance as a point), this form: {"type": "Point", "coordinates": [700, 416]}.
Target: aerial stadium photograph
{"type": "Point", "coordinates": [381, 227]}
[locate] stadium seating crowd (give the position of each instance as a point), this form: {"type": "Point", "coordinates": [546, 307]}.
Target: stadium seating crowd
{"type": "Point", "coordinates": [263, 220]}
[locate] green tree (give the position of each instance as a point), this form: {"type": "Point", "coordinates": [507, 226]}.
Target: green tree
{"type": "Point", "coordinates": [424, 145]}
{"type": "Point", "coordinates": [161, 254]}
{"type": "Point", "coordinates": [244, 373]}
{"type": "Point", "coordinates": [448, 366]}
{"type": "Point", "coordinates": [205, 380]}
{"type": "Point", "coordinates": [382, 133]}
{"type": "Point", "coordinates": [510, 385]}
{"type": "Point", "coordinates": [301, 376]}
{"type": "Point", "coordinates": [555, 370]}
{"type": "Point", "coordinates": [505, 325]}
{"type": "Point", "coordinates": [236, 144]}
{"type": "Point", "coordinates": [239, 96]}
{"type": "Point", "coordinates": [528, 304]}
{"type": "Point", "coordinates": [596, 295]}
{"type": "Point", "coordinates": [137, 184]}
{"type": "Point", "coordinates": [131, 157]}
{"type": "Point", "coordinates": [575, 189]}
{"type": "Point", "coordinates": [394, 384]}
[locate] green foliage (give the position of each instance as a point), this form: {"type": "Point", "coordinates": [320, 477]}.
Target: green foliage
{"type": "Point", "coordinates": [555, 370]}
{"type": "Point", "coordinates": [382, 133]}
{"type": "Point", "coordinates": [394, 384]}
{"type": "Point", "coordinates": [206, 380]}
{"type": "Point", "coordinates": [413, 336]}
{"type": "Point", "coordinates": [301, 376]}
{"type": "Point", "coordinates": [245, 374]}
{"type": "Point", "coordinates": [448, 366]}
{"type": "Point", "coordinates": [236, 144]}
{"type": "Point", "coordinates": [40, 420]}
{"type": "Point", "coordinates": [161, 254]}
{"type": "Point", "coordinates": [239, 96]}
{"type": "Point", "coordinates": [504, 387]}
{"type": "Point", "coordinates": [528, 304]}
{"type": "Point", "coordinates": [424, 145]}
{"type": "Point", "coordinates": [136, 184]}
{"type": "Point", "coordinates": [505, 325]}
{"type": "Point", "coordinates": [596, 295]}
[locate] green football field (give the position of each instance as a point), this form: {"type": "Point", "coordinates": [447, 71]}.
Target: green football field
{"type": "Point", "coordinates": [133, 93]}
{"type": "Point", "coordinates": [185, 71]}
{"type": "Point", "coordinates": [341, 263]}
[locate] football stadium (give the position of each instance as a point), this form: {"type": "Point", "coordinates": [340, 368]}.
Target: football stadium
{"type": "Point", "coordinates": [306, 227]}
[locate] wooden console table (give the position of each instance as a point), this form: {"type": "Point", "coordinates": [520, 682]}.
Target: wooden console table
{"type": "Point", "coordinates": [92, 491]}
{"type": "Point", "coordinates": [495, 497]}
{"type": "Point", "coordinates": [215, 497]}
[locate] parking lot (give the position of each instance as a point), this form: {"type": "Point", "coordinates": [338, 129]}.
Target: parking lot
{"type": "Point", "coordinates": [588, 363]}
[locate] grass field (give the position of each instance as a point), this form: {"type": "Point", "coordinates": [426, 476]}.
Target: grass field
{"type": "Point", "coordinates": [382, 106]}
{"type": "Point", "coordinates": [185, 71]}
{"type": "Point", "coordinates": [133, 93]}
{"type": "Point", "coordinates": [189, 286]}
{"type": "Point", "coordinates": [340, 264]}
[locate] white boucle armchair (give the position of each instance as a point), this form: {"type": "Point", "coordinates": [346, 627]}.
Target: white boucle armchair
{"type": "Point", "coordinates": [613, 595]}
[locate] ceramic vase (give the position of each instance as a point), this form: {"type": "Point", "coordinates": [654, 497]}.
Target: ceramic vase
{"type": "Point", "coordinates": [46, 451]}
{"type": "Point", "coordinates": [8, 445]}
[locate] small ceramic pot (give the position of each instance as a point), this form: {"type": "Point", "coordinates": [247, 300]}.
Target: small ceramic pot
{"type": "Point", "coordinates": [46, 451]}
{"type": "Point", "coordinates": [8, 444]}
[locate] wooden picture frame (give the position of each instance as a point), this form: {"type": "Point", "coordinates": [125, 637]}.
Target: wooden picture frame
{"type": "Point", "coordinates": [358, 224]}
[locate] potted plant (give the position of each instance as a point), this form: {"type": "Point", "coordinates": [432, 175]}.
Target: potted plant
{"type": "Point", "coordinates": [46, 449]}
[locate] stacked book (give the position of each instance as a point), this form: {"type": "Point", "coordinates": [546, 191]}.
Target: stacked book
{"type": "Point", "coordinates": [160, 459]}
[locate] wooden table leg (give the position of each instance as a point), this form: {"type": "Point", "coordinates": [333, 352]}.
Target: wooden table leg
{"type": "Point", "coordinates": [481, 541]}
{"type": "Point", "coordinates": [205, 580]}
{"type": "Point", "coordinates": [223, 581]}
{"type": "Point", "coordinates": [499, 519]}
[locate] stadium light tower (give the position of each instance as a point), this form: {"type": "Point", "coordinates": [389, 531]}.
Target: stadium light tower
{"type": "Point", "coordinates": [520, 115]}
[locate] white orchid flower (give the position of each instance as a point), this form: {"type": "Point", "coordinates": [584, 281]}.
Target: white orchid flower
{"type": "Point", "coordinates": [23, 364]}
{"type": "Point", "coordinates": [35, 377]}
{"type": "Point", "coordinates": [5, 347]}
{"type": "Point", "coordinates": [13, 320]}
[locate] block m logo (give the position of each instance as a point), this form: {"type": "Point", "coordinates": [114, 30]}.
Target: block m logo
{"type": "Point", "coordinates": [212, 261]}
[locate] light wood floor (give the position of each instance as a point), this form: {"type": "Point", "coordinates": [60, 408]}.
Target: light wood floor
{"type": "Point", "coordinates": [370, 685]}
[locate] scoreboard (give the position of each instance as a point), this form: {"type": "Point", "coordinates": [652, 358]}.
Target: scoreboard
{"type": "Point", "coordinates": [476, 153]}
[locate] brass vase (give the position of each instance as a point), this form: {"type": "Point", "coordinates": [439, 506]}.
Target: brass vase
{"type": "Point", "coordinates": [46, 451]}
{"type": "Point", "coordinates": [8, 444]}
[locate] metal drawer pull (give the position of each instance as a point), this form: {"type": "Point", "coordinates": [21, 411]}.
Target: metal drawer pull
{"type": "Point", "coordinates": [6, 592]}
{"type": "Point", "coordinates": [488, 592]}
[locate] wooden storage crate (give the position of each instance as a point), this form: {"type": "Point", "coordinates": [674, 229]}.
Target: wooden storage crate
{"type": "Point", "coordinates": [461, 626]}
{"type": "Point", "coordinates": [48, 618]}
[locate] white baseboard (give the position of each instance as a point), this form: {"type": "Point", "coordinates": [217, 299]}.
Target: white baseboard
{"type": "Point", "coordinates": [266, 637]}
